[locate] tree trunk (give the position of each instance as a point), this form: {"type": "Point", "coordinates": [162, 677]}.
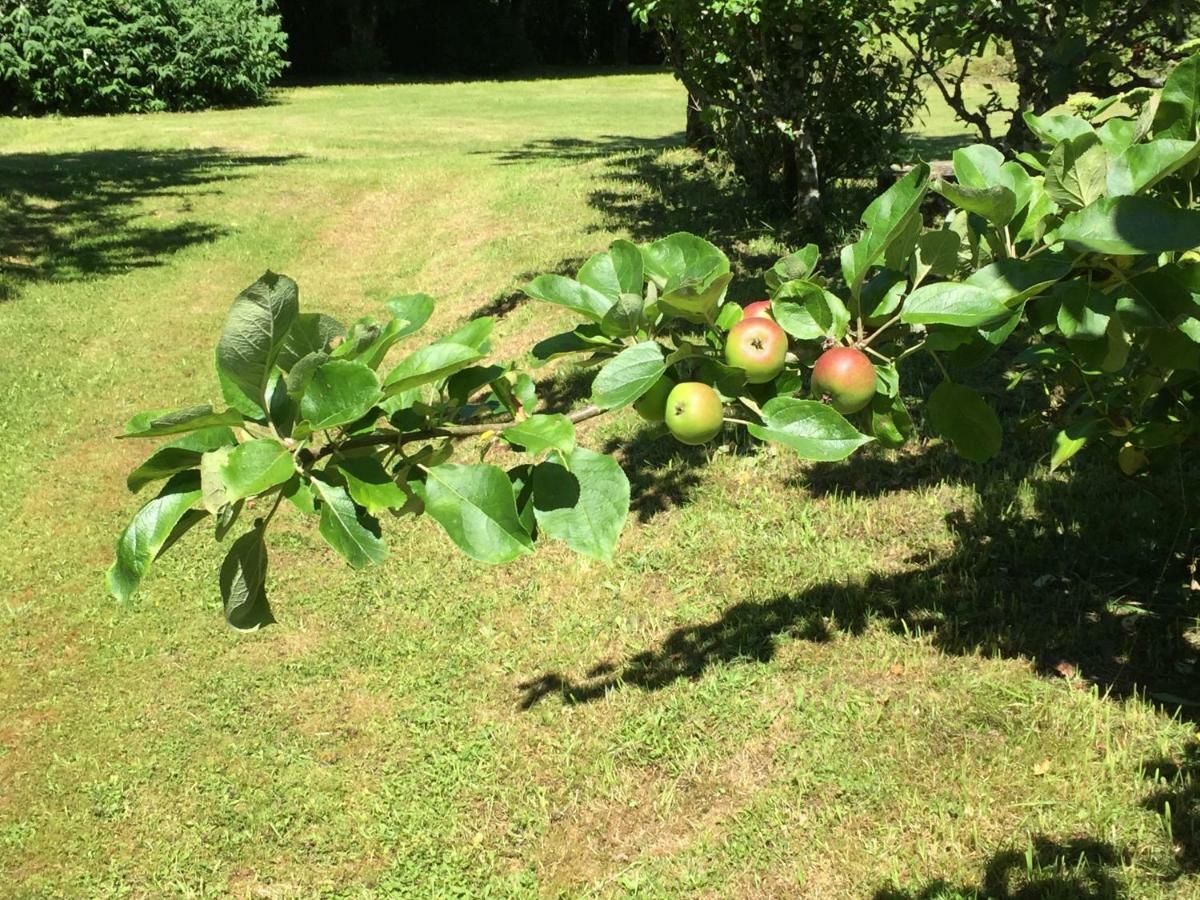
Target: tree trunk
{"type": "Point", "coordinates": [699, 133]}
{"type": "Point", "coordinates": [622, 27]}
{"type": "Point", "coordinates": [809, 210]}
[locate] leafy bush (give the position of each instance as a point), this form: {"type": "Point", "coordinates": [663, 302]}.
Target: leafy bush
{"type": "Point", "coordinates": [1082, 255]}
{"type": "Point", "coordinates": [802, 93]}
{"type": "Point", "coordinates": [109, 56]}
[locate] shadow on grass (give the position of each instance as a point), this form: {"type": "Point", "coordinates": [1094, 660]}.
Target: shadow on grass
{"type": "Point", "coordinates": [653, 187]}
{"type": "Point", "coordinates": [75, 216]}
{"type": "Point", "coordinates": [1087, 577]}
{"type": "Point", "coordinates": [1080, 869]}
{"type": "Point", "coordinates": [1176, 798]}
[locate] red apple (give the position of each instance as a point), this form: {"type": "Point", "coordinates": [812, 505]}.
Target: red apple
{"type": "Point", "coordinates": [757, 308]}
{"type": "Point", "coordinates": [758, 346]}
{"type": "Point", "coordinates": [844, 375]}
{"type": "Point", "coordinates": [694, 413]}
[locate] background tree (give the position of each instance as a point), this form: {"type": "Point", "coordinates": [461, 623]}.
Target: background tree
{"type": "Point", "coordinates": [1057, 48]}
{"type": "Point", "coordinates": [801, 93]}
{"type": "Point", "coordinates": [460, 36]}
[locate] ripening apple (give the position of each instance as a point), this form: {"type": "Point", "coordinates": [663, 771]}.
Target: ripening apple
{"type": "Point", "coordinates": [652, 405]}
{"type": "Point", "coordinates": [758, 346]}
{"type": "Point", "coordinates": [757, 308]}
{"type": "Point", "coordinates": [1132, 459]}
{"type": "Point", "coordinates": [694, 413]}
{"type": "Point", "coordinates": [844, 375]}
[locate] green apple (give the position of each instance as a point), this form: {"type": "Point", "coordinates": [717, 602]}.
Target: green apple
{"type": "Point", "coordinates": [652, 405]}
{"type": "Point", "coordinates": [844, 375]}
{"type": "Point", "coordinates": [758, 346]}
{"type": "Point", "coordinates": [694, 413]}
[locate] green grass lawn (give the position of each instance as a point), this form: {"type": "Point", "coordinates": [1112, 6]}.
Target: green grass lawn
{"type": "Point", "coordinates": [901, 677]}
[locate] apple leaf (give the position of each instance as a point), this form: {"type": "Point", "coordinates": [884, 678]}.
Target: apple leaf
{"type": "Point", "coordinates": [542, 434]}
{"type": "Point", "coordinates": [584, 504]}
{"type": "Point", "coordinates": [964, 418]}
{"type": "Point", "coordinates": [811, 428]}
{"type": "Point", "coordinates": [476, 506]}
{"type": "Point", "coordinates": [628, 375]}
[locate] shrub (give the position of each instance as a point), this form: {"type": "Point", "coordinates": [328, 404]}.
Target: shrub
{"type": "Point", "coordinates": [1081, 254]}
{"type": "Point", "coordinates": [109, 56]}
{"type": "Point", "coordinates": [802, 93]}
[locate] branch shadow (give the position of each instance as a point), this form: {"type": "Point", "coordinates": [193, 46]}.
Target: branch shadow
{"type": "Point", "coordinates": [1176, 797]}
{"type": "Point", "coordinates": [1041, 570]}
{"type": "Point", "coordinates": [77, 216]}
{"type": "Point", "coordinates": [1077, 869]}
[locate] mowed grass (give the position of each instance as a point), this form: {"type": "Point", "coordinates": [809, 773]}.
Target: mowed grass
{"type": "Point", "coordinates": [880, 679]}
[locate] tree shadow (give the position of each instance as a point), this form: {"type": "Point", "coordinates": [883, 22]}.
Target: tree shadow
{"type": "Point", "coordinates": [1077, 869]}
{"type": "Point", "coordinates": [1176, 797]}
{"type": "Point", "coordinates": [653, 187]}
{"type": "Point", "coordinates": [503, 304]}
{"type": "Point", "coordinates": [77, 216]}
{"type": "Point", "coordinates": [1042, 569]}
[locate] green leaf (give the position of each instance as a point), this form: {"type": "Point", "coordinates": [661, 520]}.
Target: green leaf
{"type": "Point", "coordinates": [812, 429]}
{"type": "Point", "coordinates": [302, 372]}
{"type": "Point", "coordinates": [617, 272]}
{"type": "Point", "coordinates": [964, 418]}
{"type": "Point", "coordinates": [1070, 441]}
{"type": "Point", "coordinates": [628, 375]}
{"type": "Point", "coordinates": [299, 493]}
{"type": "Point", "coordinates": [1077, 171]}
{"type": "Point", "coordinates": [1143, 166]}
{"type": "Point", "coordinates": [808, 312]}
{"type": "Point", "coordinates": [978, 166]}
{"type": "Point", "coordinates": [887, 218]}
{"type": "Point", "coordinates": [370, 485]}
{"type": "Point", "coordinates": [890, 422]}
{"type": "Point", "coordinates": [794, 267]}
{"type": "Point", "coordinates": [625, 317]}
{"type": "Point", "coordinates": [579, 298]}
{"type": "Point", "coordinates": [429, 364]}
{"type": "Point", "coordinates": [474, 334]}
{"type": "Point", "coordinates": [1179, 106]}
{"type": "Point", "coordinates": [691, 274]}
{"type": "Point", "coordinates": [697, 303]}
{"type": "Point", "coordinates": [250, 343]}
{"type": "Point", "coordinates": [542, 433]}
{"type": "Point", "coordinates": [1128, 226]}
{"type": "Point", "coordinates": [178, 456]}
{"type": "Point", "coordinates": [411, 312]}
{"type": "Point", "coordinates": [244, 583]}
{"type": "Point", "coordinates": [212, 479]}
{"type": "Point", "coordinates": [339, 392]}
{"type": "Point", "coordinates": [150, 532]}
{"type": "Point", "coordinates": [586, 338]}
{"type": "Point", "coordinates": [997, 204]}
{"type": "Point", "coordinates": [1054, 129]}
{"type": "Point", "coordinates": [585, 505]}
{"type": "Point", "coordinates": [683, 259]}
{"type": "Point", "coordinates": [937, 254]}
{"type": "Point", "coordinates": [254, 467]}
{"type": "Point", "coordinates": [476, 506]}
{"type": "Point", "coordinates": [348, 530]}
{"type": "Point", "coordinates": [1084, 311]}
{"type": "Point", "coordinates": [1014, 281]}
{"type": "Point", "coordinates": [310, 333]}
{"type": "Point", "coordinates": [179, 421]}
{"type": "Point", "coordinates": [951, 303]}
